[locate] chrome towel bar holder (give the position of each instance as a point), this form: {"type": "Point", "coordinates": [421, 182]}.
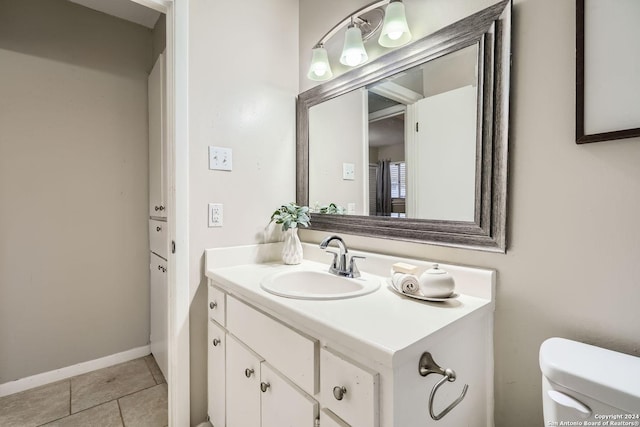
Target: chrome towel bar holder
{"type": "Point", "coordinates": [427, 366]}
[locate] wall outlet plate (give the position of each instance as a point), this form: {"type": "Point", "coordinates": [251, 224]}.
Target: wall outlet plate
{"type": "Point", "coordinates": [215, 214]}
{"type": "Point", "coordinates": [220, 158]}
{"type": "Point", "coordinates": [348, 171]}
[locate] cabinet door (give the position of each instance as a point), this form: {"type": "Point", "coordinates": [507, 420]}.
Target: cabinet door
{"type": "Point", "coordinates": [243, 385]}
{"type": "Point", "coordinates": [329, 419]}
{"type": "Point", "coordinates": [283, 403]}
{"type": "Point", "coordinates": [216, 376]}
{"type": "Point", "coordinates": [158, 238]}
{"type": "Point", "coordinates": [159, 310]}
{"type": "Point", "coordinates": [156, 140]}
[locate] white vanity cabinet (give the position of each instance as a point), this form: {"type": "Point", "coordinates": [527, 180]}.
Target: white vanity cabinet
{"type": "Point", "coordinates": [244, 388]}
{"type": "Point", "coordinates": [346, 363]}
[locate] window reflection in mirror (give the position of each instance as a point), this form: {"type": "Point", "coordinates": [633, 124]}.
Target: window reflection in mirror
{"type": "Point", "coordinates": [402, 147]}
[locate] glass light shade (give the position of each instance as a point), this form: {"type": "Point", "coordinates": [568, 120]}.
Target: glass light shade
{"type": "Point", "coordinates": [353, 52]}
{"type": "Point", "coordinates": [395, 30]}
{"type": "Point", "coordinates": [320, 69]}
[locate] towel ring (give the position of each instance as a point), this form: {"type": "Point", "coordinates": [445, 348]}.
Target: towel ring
{"type": "Point", "coordinates": [427, 366]}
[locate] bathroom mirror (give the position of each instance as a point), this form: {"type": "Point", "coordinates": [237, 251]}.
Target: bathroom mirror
{"type": "Point", "coordinates": [413, 146]}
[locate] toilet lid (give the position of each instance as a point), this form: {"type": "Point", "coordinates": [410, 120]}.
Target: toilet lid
{"type": "Point", "coordinates": [608, 376]}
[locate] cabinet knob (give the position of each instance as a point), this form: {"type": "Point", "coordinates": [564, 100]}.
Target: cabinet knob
{"type": "Point", "coordinates": [339, 392]}
{"type": "Point", "coordinates": [213, 305]}
{"type": "Point", "coordinates": [264, 387]}
{"type": "Point", "coordinates": [216, 341]}
{"type": "Point", "coordinates": [158, 229]}
{"type": "Point", "coordinates": [248, 372]}
{"type": "Point", "coordinates": [161, 268]}
{"type": "Point", "coordinates": [161, 208]}
{"type": "Point", "coordinates": [157, 208]}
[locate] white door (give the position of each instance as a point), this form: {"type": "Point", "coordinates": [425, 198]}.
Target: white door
{"type": "Point", "coordinates": [243, 385]}
{"type": "Point", "coordinates": [157, 154]}
{"type": "Point", "coordinates": [445, 161]}
{"type": "Point", "coordinates": [216, 374]}
{"type": "Point", "coordinates": [284, 404]}
{"type": "Point", "coordinates": [159, 312]}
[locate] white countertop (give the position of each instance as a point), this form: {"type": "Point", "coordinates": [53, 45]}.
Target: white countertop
{"type": "Point", "coordinates": [381, 325]}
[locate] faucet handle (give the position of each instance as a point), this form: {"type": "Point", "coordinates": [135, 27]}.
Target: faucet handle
{"type": "Point", "coordinates": [353, 268]}
{"type": "Point", "coordinates": [334, 264]}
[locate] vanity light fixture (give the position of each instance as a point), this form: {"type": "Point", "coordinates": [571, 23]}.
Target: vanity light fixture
{"type": "Point", "coordinates": [353, 52]}
{"type": "Point", "coordinates": [361, 26]}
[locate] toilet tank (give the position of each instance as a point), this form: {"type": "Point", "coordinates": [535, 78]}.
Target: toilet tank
{"type": "Point", "coordinates": [587, 385]}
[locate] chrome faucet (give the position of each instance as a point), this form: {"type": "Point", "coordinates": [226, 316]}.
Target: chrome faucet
{"type": "Point", "coordinates": [339, 264]}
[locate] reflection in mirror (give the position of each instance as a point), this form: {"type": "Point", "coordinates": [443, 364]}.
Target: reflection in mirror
{"type": "Point", "coordinates": [402, 147]}
{"type": "Point", "coordinates": [413, 145]}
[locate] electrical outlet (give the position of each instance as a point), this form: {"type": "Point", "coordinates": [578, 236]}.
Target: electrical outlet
{"type": "Point", "coordinates": [220, 158]}
{"type": "Point", "coordinates": [215, 215]}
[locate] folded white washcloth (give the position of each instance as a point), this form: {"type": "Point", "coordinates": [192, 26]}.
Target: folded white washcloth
{"type": "Point", "coordinates": [407, 283]}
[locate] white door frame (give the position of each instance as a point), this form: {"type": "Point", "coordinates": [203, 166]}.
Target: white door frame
{"type": "Point", "coordinates": [177, 13]}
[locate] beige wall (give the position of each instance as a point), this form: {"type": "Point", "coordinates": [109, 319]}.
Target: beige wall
{"type": "Point", "coordinates": [332, 146]}
{"type": "Point", "coordinates": [243, 83]}
{"type": "Point", "coordinates": [572, 267]}
{"type": "Point", "coordinates": [73, 186]}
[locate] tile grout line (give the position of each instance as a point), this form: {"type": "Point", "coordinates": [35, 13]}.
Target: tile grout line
{"type": "Point", "coordinates": [117, 400]}
{"type": "Point", "coordinates": [120, 411]}
{"type": "Point", "coordinates": [149, 368]}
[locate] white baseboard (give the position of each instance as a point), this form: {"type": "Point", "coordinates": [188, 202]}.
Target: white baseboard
{"type": "Point", "coordinates": [71, 371]}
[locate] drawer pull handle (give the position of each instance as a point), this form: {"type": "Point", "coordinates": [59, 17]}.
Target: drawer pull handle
{"type": "Point", "coordinates": [248, 372]}
{"type": "Point", "coordinates": [216, 341]}
{"type": "Point", "coordinates": [428, 366]}
{"type": "Point", "coordinates": [339, 392]}
{"type": "Point", "coordinates": [264, 387]}
{"type": "Point", "coordinates": [213, 305]}
{"type": "Point", "coordinates": [158, 229]}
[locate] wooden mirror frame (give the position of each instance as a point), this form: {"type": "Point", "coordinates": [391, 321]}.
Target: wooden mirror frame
{"type": "Point", "coordinates": [490, 29]}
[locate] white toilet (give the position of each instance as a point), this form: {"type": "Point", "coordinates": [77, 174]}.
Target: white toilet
{"type": "Point", "coordinates": [581, 382]}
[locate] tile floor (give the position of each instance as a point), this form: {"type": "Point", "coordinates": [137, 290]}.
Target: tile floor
{"type": "Point", "coordinates": [131, 394]}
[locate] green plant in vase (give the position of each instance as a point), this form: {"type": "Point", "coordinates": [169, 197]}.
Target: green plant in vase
{"type": "Point", "coordinates": [291, 216]}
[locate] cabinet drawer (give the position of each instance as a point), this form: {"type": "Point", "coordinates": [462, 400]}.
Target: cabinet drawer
{"type": "Point", "coordinates": [216, 374]}
{"type": "Point", "coordinates": [158, 238]}
{"type": "Point", "coordinates": [349, 390]}
{"type": "Point", "coordinates": [216, 305]}
{"type": "Point", "coordinates": [289, 351]}
{"type": "Point", "coordinates": [329, 419]}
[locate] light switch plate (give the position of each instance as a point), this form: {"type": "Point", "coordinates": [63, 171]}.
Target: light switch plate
{"type": "Point", "coordinates": [348, 171]}
{"type": "Point", "coordinates": [220, 158]}
{"type": "Point", "coordinates": [215, 214]}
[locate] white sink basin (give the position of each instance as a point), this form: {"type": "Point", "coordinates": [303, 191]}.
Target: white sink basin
{"type": "Point", "coordinates": [319, 285]}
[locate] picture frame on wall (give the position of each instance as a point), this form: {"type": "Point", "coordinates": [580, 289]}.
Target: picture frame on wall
{"type": "Point", "coordinates": [607, 70]}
